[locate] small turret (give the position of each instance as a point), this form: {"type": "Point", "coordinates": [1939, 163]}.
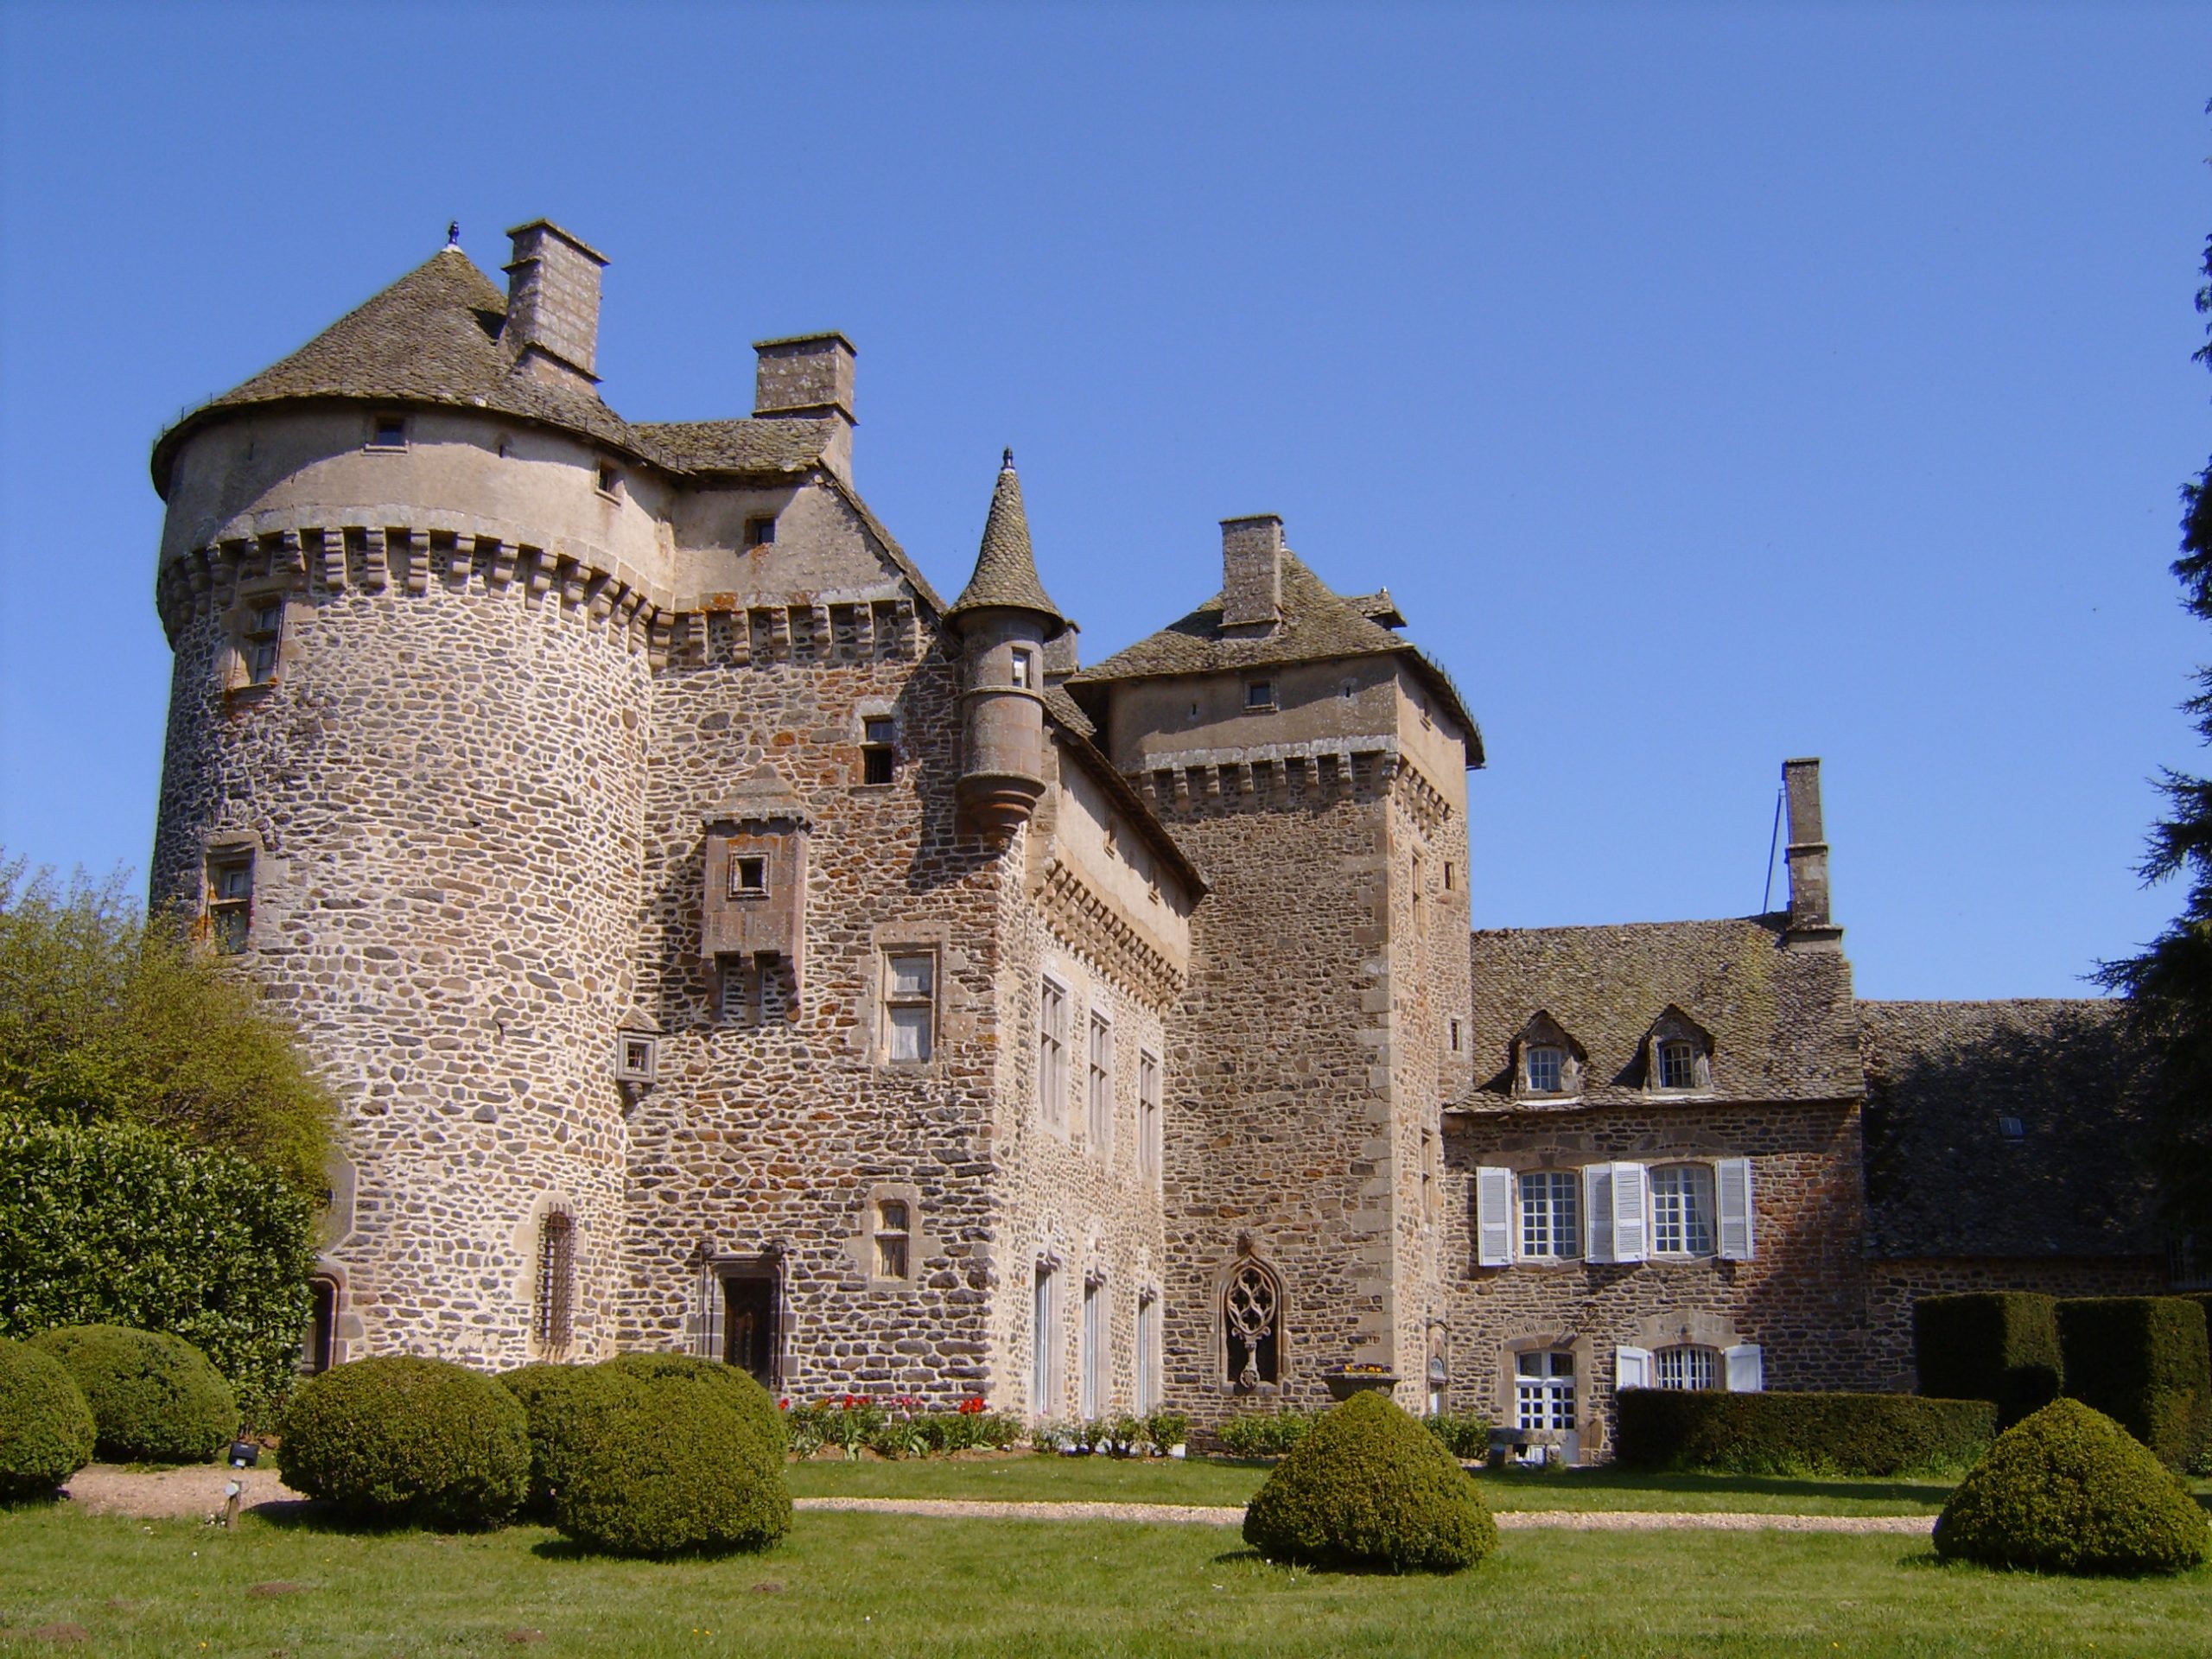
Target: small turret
{"type": "Point", "coordinates": [1004, 619]}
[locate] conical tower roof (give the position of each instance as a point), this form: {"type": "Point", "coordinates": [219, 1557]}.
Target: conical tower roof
{"type": "Point", "coordinates": [1005, 569]}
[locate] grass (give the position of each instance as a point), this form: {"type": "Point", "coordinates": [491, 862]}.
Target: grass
{"type": "Point", "coordinates": [879, 1585]}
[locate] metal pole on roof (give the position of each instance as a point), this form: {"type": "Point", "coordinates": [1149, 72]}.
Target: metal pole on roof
{"type": "Point", "coordinates": [1774, 842]}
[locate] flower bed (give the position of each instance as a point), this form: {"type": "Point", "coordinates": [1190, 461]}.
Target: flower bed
{"type": "Point", "coordinates": [899, 1427]}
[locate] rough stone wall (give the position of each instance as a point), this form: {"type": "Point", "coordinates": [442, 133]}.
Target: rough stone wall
{"type": "Point", "coordinates": [1896, 1285]}
{"type": "Point", "coordinates": [1803, 1298]}
{"type": "Point", "coordinates": [440, 789]}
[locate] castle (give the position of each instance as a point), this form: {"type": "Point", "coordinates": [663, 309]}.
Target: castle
{"type": "Point", "coordinates": [719, 941]}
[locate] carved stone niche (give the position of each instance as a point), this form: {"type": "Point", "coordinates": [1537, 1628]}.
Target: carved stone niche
{"type": "Point", "coordinates": [755, 899]}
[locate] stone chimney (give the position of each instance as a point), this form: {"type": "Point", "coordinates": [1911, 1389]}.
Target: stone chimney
{"type": "Point", "coordinates": [1251, 572]}
{"type": "Point", "coordinates": [553, 298]}
{"type": "Point", "coordinates": [810, 376]}
{"type": "Point", "coordinates": [1809, 928]}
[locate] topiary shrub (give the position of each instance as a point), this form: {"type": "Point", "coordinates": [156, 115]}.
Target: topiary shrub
{"type": "Point", "coordinates": [2000, 1345]}
{"type": "Point", "coordinates": [1264, 1433]}
{"type": "Point", "coordinates": [154, 1398]}
{"type": "Point", "coordinates": [643, 1468]}
{"type": "Point", "coordinates": [46, 1429]}
{"type": "Point", "coordinates": [2067, 1489]}
{"type": "Point", "coordinates": [400, 1439]}
{"type": "Point", "coordinates": [737, 1387]}
{"type": "Point", "coordinates": [552, 1396]}
{"type": "Point", "coordinates": [1369, 1486]}
{"type": "Point", "coordinates": [2143, 1361]}
{"type": "Point", "coordinates": [1835, 1433]}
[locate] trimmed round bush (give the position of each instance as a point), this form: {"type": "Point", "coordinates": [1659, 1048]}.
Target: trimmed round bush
{"type": "Point", "coordinates": [1368, 1486]}
{"type": "Point", "coordinates": [154, 1398]}
{"type": "Point", "coordinates": [738, 1388]}
{"type": "Point", "coordinates": [2067, 1489]}
{"type": "Point", "coordinates": [399, 1438]}
{"type": "Point", "coordinates": [644, 1468]}
{"type": "Point", "coordinates": [552, 1396]}
{"type": "Point", "coordinates": [46, 1429]}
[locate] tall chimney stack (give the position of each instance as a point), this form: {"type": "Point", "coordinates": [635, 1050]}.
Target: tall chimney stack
{"type": "Point", "coordinates": [810, 376]}
{"type": "Point", "coordinates": [1251, 572]}
{"type": "Point", "coordinates": [553, 298]}
{"type": "Point", "coordinates": [1809, 928]}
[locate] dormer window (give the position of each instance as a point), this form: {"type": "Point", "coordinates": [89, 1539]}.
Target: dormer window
{"type": "Point", "coordinates": [748, 878]}
{"type": "Point", "coordinates": [1259, 697]}
{"type": "Point", "coordinates": [1546, 1060]}
{"type": "Point", "coordinates": [388, 432]}
{"type": "Point", "coordinates": [1678, 1056]}
{"type": "Point", "coordinates": [1545, 1063]}
{"type": "Point", "coordinates": [760, 531]}
{"type": "Point", "coordinates": [1677, 1065]}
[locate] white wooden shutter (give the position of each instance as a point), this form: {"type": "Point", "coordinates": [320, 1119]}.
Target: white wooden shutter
{"type": "Point", "coordinates": [1632, 1208]}
{"type": "Point", "coordinates": [1631, 1367]}
{"type": "Point", "coordinates": [1493, 1217]}
{"type": "Point", "coordinates": [1746, 1371]}
{"type": "Point", "coordinates": [1732, 1180]}
{"type": "Point", "coordinates": [1597, 1212]}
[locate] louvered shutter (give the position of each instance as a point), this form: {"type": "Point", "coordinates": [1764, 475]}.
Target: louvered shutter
{"type": "Point", "coordinates": [1732, 1180]}
{"type": "Point", "coordinates": [1631, 1367]}
{"type": "Point", "coordinates": [1493, 1217]}
{"type": "Point", "coordinates": [1631, 1209]}
{"type": "Point", "coordinates": [1597, 1211]}
{"type": "Point", "coordinates": [1747, 1369]}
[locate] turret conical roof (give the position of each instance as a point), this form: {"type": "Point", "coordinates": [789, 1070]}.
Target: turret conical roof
{"type": "Point", "coordinates": [1005, 569]}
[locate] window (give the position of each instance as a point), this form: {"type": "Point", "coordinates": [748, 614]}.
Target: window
{"type": "Point", "coordinates": [1685, 1367]}
{"type": "Point", "coordinates": [634, 1059]}
{"type": "Point", "coordinates": [1045, 1330]}
{"type": "Point", "coordinates": [1448, 879]}
{"type": "Point", "coordinates": [1457, 1036]}
{"type": "Point", "coordinates": [388, 432]}
{"type": "Point", "coordinates": [1148, 1141]}
{"type": "Point", "coordinates": [610, 478]}
{"type": "Point", "coordinates": [1259, 697]}
{"type": "Point", "coordinates": [1093, 1371]}
{"type": "Point", "coordinates": [760, 531]}
{"type": "Point", "coordinates": [1543, 1390]}
{"type": "Point", "coordinates": [2013, 1129]}
{"type": "Point", "coordinates": [748, 876]}
{"type": "Point", "coordinates": [261, 638]}
{"type": "Point", "coordinates": [1551, 1222]}
{"type": "Point", "coordinates": [1544, 1063]}
{"type": "Point", "coordinates": [879, 749]}
{"type": "Point", "coordinates": [892, 1234]}
{"type": "Point", "coordinates": [1147, 1353]}
{"type": "Point", "coordinates": [1677, 1065]}
{"type": "Point", "coordinates": [1052, 1054]}
{"type": "Point", "coordinates": [318, 1352]}
{"type": "Point", "coordinates": [1420, 908]}
{"type": "Point", "coordinates": [551, 1318]}
{"type": "Point", "coordinates": [1025, 672]}
{"type": "Point", "coordinates": [1682, 1209]}
{"type": "Point", "coordinates": [909, 1007]}
{"type": "Point", "coordinates": [1250, 1319]}
{"type": "Point", "coordinates": [230, 900]}
{"type": "Point", "coordinates": [1101, 1127]}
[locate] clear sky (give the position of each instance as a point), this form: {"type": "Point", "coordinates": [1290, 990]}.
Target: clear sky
{"type": "Point", "coordinates": [1708, 384]}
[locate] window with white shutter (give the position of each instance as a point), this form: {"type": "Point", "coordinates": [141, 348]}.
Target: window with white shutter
{"type": "Point", "coordinates": [1631, 1367]}
{"type": "Point", "coordinates": [1493, 1217]}
{"type": "Point", "coordinates": [1733, 1181]}
{"type": "Point", "coordinates": [1744, 1370]}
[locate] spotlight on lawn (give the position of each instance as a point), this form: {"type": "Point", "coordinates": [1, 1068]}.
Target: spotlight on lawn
{"type": "Point", "coordinates": [244, 1454]}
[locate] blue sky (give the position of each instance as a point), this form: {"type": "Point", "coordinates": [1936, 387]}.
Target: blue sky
{"type": "Point", "coordinates": [1709, 384]}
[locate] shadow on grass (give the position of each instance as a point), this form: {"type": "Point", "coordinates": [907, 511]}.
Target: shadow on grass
{"type": "Point", "coordinates": [570, 1549]}
{"type": "Point", "coordinates": [1333, 1569]}
{"type": "Point", "coordinates": [313, 1515]}
{"type": "Point", "coordinates": [1609, 1479]}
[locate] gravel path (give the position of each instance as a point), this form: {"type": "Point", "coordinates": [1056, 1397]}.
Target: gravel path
{"type": "Point", "coordinates": [104, 1488]}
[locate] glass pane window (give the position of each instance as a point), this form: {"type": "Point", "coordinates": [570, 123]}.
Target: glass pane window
{"type": "Point", "coordinates": [1543, 1390]}
{"type": "Point", "coordinates": [230, 902]}
{"type": "Point", "coordinates": [1677, 1065]}
{"type": "Point", "coordinates": [1052, 1053]}
{"type": "Point", "coordinates": [1544, 1069]}
{"type": "Point", "coordinates": [1684, 1368]}
{"type": "Point", "coordinates": [1682, 1209]}
{"type": "Point", "coordinates": [891, 1233]}
{"type": "Point", "coordinates": [1102, 1083]}
{"type": "Point", "coordinates": [909, 1007]}
{"type": "Point", "coordinates": [1550, 1214]}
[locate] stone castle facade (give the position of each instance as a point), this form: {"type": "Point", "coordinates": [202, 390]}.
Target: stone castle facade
{"type": "Point", "coordinates": [721, 942]}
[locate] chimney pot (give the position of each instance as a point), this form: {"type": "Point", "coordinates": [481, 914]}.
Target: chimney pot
{"type": "Point", "coordinates": [1251, 571]}
{"type": "Point", "coordinates": [553, 297]}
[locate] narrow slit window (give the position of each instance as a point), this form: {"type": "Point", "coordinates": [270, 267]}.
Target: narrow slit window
{"type": "Point", "coordinates": [261, 640]}
{"type": "Point", "coordinates": [557, 1277]}
{"type": "Point", "coordinates": [1052, 1054]}
{"type": "Point", "coordinates": [1148, 1142]}
{"type": "Point", "coordinates": [1024, 669]}
{"type": "Point", "coordinates": [909, 1007]}
{"type": "Point", "coordinates": [1101, 1125]}
{"type": "Point", "coordinates": [230, 900]}
{"type": "Point", "coordinates": [894, 1232]}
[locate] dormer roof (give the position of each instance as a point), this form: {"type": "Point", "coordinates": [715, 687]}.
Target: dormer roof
{"type": "Point", "coordinates": [763, 797]}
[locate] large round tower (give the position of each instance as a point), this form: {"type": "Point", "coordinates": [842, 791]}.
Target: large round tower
{"type": "Point", "coordinates": [412, 576]}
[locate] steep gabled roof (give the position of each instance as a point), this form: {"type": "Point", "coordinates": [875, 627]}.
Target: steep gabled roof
{"type": "Point", "coordinates": [1006, 568]}
{"type": "Point", "coordinates": [749, 448]}
{"type": "Point", "coordinates": [1943, 1179]}
{"type": "Point", "coordinates": [1316, 624]}
{"type": "Point", "coordinates": [1781, 1021]}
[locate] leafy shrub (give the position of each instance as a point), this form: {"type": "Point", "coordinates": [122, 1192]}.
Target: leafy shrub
{"type": "Point", "coordinates": [397, 1438]}
{"type": "Point", "coordinates": [651, 1470]}
{"type": "Point", "coordinates": [1368, 1485]}
{"type": "Point", "coordinates": [1999, 1346]}
{"type": "Point", "coordinates": [551, 1396]}
{"type": "Point", "coordinates": [1463, 1434]}
{"type": "Point", "coordinates": [2068, 1490]}
{"type": "Point", "coordinates": [1800, 1433]}
{"type": "Point", "coordinates": [1264, 1433]}
{"type": "Point", "coordinates": [737, 1387]}
{"type": "Point", "coordinates": [154, 1398]}
{"type": "Point", "coordinates": [1167, 1429]}
{"type": "Point", "coordinates": [2142, 1361]}
{"type": "Point", "coordinates": [45, 1427]}
{"type": "Point", "coordinates": [109, 1224]}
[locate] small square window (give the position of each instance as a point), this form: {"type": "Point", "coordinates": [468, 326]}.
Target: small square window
{"type": "Point", "coordinates": [634, 1059]}
{"type": "Point", "coordinates": [2011, 1128]}
{"type": "Point", "coordinates": [1260, 696]}
{"type": "Point", "coordinates": [388, 432]}
{"type": "Point", "coordinates": [610, 478]}
{"type": "Point", "coordinates": [748, 877]}
{"type": "Point", "coordinates": [760, 531]}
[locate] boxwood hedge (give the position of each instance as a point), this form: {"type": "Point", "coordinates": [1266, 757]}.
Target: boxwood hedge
{"type": "Point", "coordinates": [2143, 1361]}
{"type": "Point", "coordinates": [1999, 1346]}
{"type": "Point", "coordinates": [154, 1397]}
{"type": "Point", "coordinates": [45, 1427]}
{"type": "Point", "coordinates": [1800, 1433]}
{"type": "Point", "coordinates": [396, 1438]}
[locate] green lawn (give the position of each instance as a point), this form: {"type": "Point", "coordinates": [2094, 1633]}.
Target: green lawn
{"type": "Point", "coordinates": [880, 1584]}
{"type": "Point", "coordinates": [1218, 1481]}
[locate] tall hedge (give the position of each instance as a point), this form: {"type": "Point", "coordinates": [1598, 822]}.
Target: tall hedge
{"type": "Point", "coordinates": [2143, 1361]}
{"type": "Point", "coordinates": [1800, 1433]}
{"type": "Point", "coordinates": [1999, 1346]}
{"type": "Point", "coordinates": [109, 1224]}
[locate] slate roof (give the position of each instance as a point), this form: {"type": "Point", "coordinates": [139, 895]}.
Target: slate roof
{"type": "Point", "coordinates": [1942, 1178]}
{"type": "Point", "coordinates": [765, 444]}
{"type": "Point", "coordinates": [1781, 1021]}
{"type": "Point", "coordinates": [1318, 625]}
{"type": "Point", "coordinates": [1006, 568]}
